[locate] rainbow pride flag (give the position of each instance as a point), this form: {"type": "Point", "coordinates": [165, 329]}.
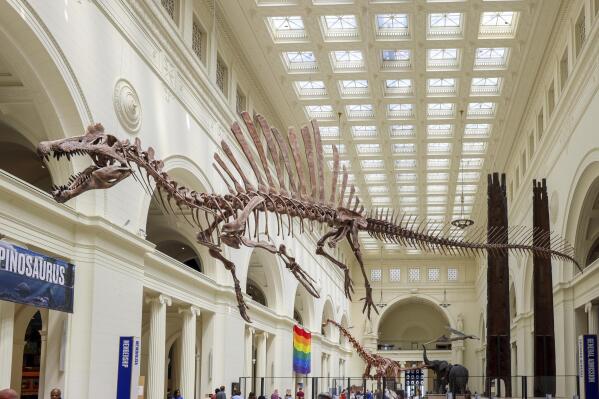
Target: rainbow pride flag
{"type": "Point", "coordinates": [302, 342]}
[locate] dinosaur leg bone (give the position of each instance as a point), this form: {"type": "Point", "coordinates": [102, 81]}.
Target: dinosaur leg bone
{"type": "Point", "coordinates": [301, 276]}
{"type": "Point", "coordinates": [216, 253]}
{"type": "Point", "coordinates": [349, 289]}
{"type": "Point", "coordinates": [354, 243]}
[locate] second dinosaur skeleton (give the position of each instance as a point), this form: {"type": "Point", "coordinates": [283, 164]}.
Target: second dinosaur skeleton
{"type": "Point", "coordinates": [289, 197]}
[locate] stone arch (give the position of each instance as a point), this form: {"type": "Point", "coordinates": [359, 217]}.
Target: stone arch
{"type": "Point", "coordinates": [172, 234]}
{"type": "Point", "coordinates": [410, 322]}
{"type": "Point", "coordinates": [264, 270]}
{"type": "Point", "coordinates": [304, 306]}
{"type": "Point", "coordinates": [48, 82]}
{"type": "Point", "coordinates": [580, 204]}
{"type": "Point", "coordinates": [421, 297]}
{"type": "Point", "coordinates": [328, 312]}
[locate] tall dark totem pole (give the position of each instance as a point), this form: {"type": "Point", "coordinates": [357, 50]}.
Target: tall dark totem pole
{"type": "Point", "coordinates": [544, 336]}
{"type": "Point", "coordinates": [498, 310]}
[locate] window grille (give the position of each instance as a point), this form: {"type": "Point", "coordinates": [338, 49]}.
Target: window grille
{"type": "Point", "coordinates": [433, 274]}
{"type": "Point", "coordinates": [414, 274]}
{"type": "Point", "coordinates": [452, 273]}
{"type": "Point", "coordinates": [198, 37]}
{"type": "Point", "coordinates": [240, 101]}
{"type": "Point", "coordinates": [376, 275]}
{"type": "Point", "coordinates": [170, 6]}
{"type": "Point", "coordinates": [221, 75]}
{"type": "Point", "coordinates": [395, 275]}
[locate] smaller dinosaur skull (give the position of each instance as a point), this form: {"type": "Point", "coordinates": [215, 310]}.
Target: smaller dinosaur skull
{"type": "Point", "coordinates": [106, 152]}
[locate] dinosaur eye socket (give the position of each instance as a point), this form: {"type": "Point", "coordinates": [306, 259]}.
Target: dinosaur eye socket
{"type": "Point", "coordinates": [97, 141]}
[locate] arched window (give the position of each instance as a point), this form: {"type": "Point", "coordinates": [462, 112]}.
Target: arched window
{"type": "Point", "coordinates": [18, 157]}
{"type": "Point", "coordinates": [182, 252]}
{"type": "Point", "coordinates": [32, 357]}
{"type": "Point", "coordinates": [256, 293]}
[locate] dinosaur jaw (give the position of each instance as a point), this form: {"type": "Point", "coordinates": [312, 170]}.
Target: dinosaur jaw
{"type": "Point", "coordinates": [107, 169]}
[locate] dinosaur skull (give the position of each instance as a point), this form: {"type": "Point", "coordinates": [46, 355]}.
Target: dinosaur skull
{"type": "Point", "coordinates": [106, 152]}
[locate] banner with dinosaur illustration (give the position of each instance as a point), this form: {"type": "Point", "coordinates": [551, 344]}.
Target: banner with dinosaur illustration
{"type": "Point", "coordinates": [35, 279]}
{"type": "Point", "coordinates": [302, 347]}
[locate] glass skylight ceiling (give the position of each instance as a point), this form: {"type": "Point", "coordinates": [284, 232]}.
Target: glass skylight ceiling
{"type": "Point", "coordinates": [417, 102]}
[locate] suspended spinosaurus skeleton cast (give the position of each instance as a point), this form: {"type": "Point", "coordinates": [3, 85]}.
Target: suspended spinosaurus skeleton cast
{"type": "Point", "coordinates": [290, 196]}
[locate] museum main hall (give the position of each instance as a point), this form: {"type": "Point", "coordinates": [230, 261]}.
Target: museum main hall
{"type": "Point", "coordinates": [299, 199]}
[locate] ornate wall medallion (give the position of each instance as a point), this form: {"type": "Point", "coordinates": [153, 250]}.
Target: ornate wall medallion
{"type": "Point", "coordinates": [127, 106]}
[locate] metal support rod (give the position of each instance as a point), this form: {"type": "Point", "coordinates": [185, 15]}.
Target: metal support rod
{"type": "Point", "coordinates": [261, 385]}
{"type": "Point", "coordinates": [348, 387]}
{"type": "Point", "coordinates": [524, 387]}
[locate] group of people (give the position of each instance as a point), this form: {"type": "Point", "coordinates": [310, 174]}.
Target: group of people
{"type": "Point", "coordinates": [219, 393]}
{"type": "Point", "coordinates": [12, 394]}
{"type": "Point", "coordinates": [367, 394]}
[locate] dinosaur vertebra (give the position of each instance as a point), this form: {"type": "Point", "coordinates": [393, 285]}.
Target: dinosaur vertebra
{"type": "Point", "coordinates": [288, 199]}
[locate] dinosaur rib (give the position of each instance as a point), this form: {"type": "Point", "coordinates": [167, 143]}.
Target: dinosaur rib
{"type": "Point", "coordinates": [335, 175]}
{"type": "Point", "coordinates": [258, 145]}
{"type": "Point", "coordinates": [248, 155]}
{"type": "Point", "coordinates": [295, 151]}
{"type": "Point", "coordinates": [343, 187]}
{"type": "Point", "coordinates": [272, 148]}
{"type": "Point", "coordinates": [285, 154]}
{"type": "Point", "coordinates": [310, 158]}
{"type": "Point", "coordinates": [248, 186]}
{"type": "Point", "coordinates": [319, 160]}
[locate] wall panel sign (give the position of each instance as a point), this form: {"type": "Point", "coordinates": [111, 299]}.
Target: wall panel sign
{"type": "Point", "coordinates": [587, 365]}
{"type": "Point", "coordinates": [128, 374]}
{"type": "Point", "coordinates": [35, 279]}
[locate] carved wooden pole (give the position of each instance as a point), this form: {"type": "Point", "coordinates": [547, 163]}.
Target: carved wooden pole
{"type": "Point", "coordinates": [498, 311]}
{"type": "Point", "coordinates": [544, 335]}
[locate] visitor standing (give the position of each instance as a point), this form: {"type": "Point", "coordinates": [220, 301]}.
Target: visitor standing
{"type": "Point", "coordinates": [177, 394]}
{"type": "Point", "coordinates": [221, 393]}
{"type": "Point", "coordinates": [343, 395]}
{"type": "Point", "coordinates": [275, 395]}
{"type": "Point", "coordinates": [55, 394]}
{"type": "Point", "coordinates": [237, 395]}
{"type": "Point", "coordinates": [300, 393]}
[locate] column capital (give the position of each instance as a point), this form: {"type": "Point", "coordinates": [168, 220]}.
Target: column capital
{"type": "Point", "coordinates": [588, 307]}
{"type": "Point", "coordinates": [194, 310]}
{"type": "Point", "coordinates": [252, 330]}
{"type": "Point", "coordinates": [263, 334]}
{"type": "Point", "coordinates": [161, 299]}
{"type": "Point", "coordinates": [43, 334]}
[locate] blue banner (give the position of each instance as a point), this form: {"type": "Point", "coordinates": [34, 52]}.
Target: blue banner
{"type": "Point", "coordinates": [128, 374]}
{"type": "Point", "coordinates": [35, 279]}
{"type": "Point", "coordinates": [587, 352]}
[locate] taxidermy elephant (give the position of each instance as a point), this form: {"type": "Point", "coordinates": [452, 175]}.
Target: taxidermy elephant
{"type": "Point", "coordinates": [458, 379]}
{"type": "Point", "coordinates": [441, 369]}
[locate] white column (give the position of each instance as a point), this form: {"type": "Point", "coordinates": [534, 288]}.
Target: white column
{"type": "Point", "coordinates": [7, 326]}
{"type": "Point", "coordinates": [261, 354]}
{"type": "Point", "coordinates": [593, 317]}
{"type": "Point", "coordinates": [42, 380]}
{"type": "Point", "coordinates": [157, 346]}
{"type": "Point", "coordinates": [249, 343]}
{"type": "Point", "coordinates": [188, 351]}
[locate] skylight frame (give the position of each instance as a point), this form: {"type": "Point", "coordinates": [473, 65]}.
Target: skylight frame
{"type": "Point", "coordinates": [443, 59]}
{"type": "Point", "coordinates": [359, 112]}
{"type": "Point", "coordinates": [364, 131]}
{"type": "Point", "coordinates": [354, 88]}
{"type": "Point", "coordinates": [295, 32]}
{"type": "Point", "coordinates": [368, 148]}
{"type": "Point", "coordinates": [439, 130]}
{"type": "Point", "coordinates": [482, 86]}
{"type": "Point", "coordinates": [445, 26]}
{"type": "Point", "coordinates": [402, 87]}
{"type": "Point", "coordinates": [491, 58]}
{"type": "Point", "coordinates": [310, 89]}
{"type": "Point", "coordinates": [402, 131]}
{"type": "Point", "coordinates": [478, 110]}
{"type": "Point", "coordinates": [474, 147]}
{"type": "Point", "coordinates": [372, 164]}
{"type": "Point", "coordinates": [441, 87]}
{"type": "Point", "coordinates": [347, 61]}
{"type": "Point", "coordinates": [396, 60]}
{"type": "Point", "coordinates": [392, 26]}
{"type": "Point", "coordinates": [493, 24]}
{"type": "Point", "coordinates": [445, 110]}
{"type": "Point", "coordinates": [400, 111]}
{"type": "Point", "coordinates": [478, 130]}
{"type": "Point", "coordinates": [300, 61]}
{"type": "Point", "coordinates": [320, 112]}
{"type": "Point", "coordinates": [404, 148]}
{"type": "Point", "coordinates": [343, 27]}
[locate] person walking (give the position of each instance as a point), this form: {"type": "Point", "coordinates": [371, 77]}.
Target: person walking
{"type": "Point", "coordinates": [237, 395]}
{"type": "Point", "coordinates": [221, 393]}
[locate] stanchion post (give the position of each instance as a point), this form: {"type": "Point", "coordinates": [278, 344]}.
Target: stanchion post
{"type": "Point", "coordinates": [348, 387]}
{"type": "Point", "coordinates": [261, 385]}
{"type": "Point", "coordinates": [524, 387]}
